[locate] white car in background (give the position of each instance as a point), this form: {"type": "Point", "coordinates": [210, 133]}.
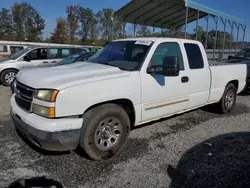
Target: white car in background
{"type": "Point", "coordinates": [33, 57]}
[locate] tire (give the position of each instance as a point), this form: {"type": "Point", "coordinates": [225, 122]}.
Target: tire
{"type": "Point", "coordinates": [227, 102]}
{"type": "Point", "coordinates": [7, 76]}
{"type": "Point", "coordinates": [104, 132]}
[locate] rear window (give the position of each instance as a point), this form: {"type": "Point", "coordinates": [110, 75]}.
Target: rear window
{"type": "Point", "coordinates": [15, 49]}
{"type": "Point", "coordinates": [3, 48]}
{"type": "Point", "coordinates": [53, 53]}
{"type": "Point", "coordinates": [59, 53]}
{"type": "Point", "coordinates": [194, 55]}
{"type": "Point", "coordinates": [65, 52]}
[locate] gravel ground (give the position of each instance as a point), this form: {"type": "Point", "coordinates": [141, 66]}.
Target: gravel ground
{"type": "Point", "coordinates": [196, 149]}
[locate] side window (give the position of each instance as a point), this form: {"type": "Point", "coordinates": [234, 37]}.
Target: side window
{"type": "Point", "coordinates": [194, 55]}
{"type": "Point", "coordinates": [65, 52]}
{"type": "Point", "coordinates": [78, 50]}
{"type": "Point", "coordinates": [15, 49]}
{"type": "Point", "coordinates": [54, 53]}
{"type": "Point", "coordinates": [3, 48]}
{"type": "Point", "coordinates": [167, 49]}
{"type": "Point", "coordinates": [38, 54]}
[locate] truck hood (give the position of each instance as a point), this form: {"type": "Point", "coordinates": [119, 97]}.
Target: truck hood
{"type": "Point", "coordinates": [68, 75]}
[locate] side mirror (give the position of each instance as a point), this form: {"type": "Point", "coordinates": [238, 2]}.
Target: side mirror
{"type": "Point", "coordinates": [26, 58]}
{"type": "Point", "coordinates": [230, 57]}
{"type": "Point", "coordinates": [170, 67]}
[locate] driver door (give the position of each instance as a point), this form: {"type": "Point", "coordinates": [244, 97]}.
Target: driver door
{"type": "Point", "coordinates": [164, 95]}
{"type": "Point", "coordinates": [36, 58]}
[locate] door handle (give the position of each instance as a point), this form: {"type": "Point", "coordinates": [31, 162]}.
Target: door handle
{"type": "Point", "coordinates": [45, 62]}
{"type": "Point", "coordinates": [184, 79]}
{"type": "Point", "coordinates": [53, 61]}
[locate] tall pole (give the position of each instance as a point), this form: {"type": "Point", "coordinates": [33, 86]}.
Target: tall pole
{"type": "Point", "coordinates": [207, 32]}
{"type": "Point", "coordinates": [244, 33]}
{"type": "Point", "coordinates": [224, 38]}
{"type": "Point", "coordinates": [237, 39]}
{"type": "Point", "coordinates": [216, 33]}
{"type": "Point", "coordinates": [134, 29]}
{"type": "Point", "coordinates": [197, 23]}
{"type": "Point", "coordinates": [112, 27]}
{"type": "Point", "coordinates": [232, 29]}
{"type": "Point", "coordinates": [186, 20]}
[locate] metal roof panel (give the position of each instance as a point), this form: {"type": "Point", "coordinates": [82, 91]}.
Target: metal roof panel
{"type": "Point", "coordinates": [166, 13]}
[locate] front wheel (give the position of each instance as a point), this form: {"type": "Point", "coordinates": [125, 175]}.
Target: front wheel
{"type": "Point", "coordinates": [105, 131]}
{"type": "Point", "coordinates": [8, 76]}
{"type": "Point", "coordinates": [227, 102]}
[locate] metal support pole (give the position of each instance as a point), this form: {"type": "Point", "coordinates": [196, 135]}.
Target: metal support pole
{"type": "Point", "coordinates": [153, 30]}
{"type": "Point", "coordinates": [244, 33]}
{"type": "Point", "coordinates": [224, 38]}
{"type": "Point", "coordinates": [232, 29]}
{"type": "Point", "coordinates": [237, 39]}
{"type": "Point", "coordinates": [207, 32]}
{"type": "Point", "coordinates": [186, 20]}
{"type": "Point", "coordinates": [123, 30]}
{"type": "Point", "coordinates": [216, 33]}
{"type": "Point", "coordinates": [162, 30]}
{"type": "Point", "coordinates": [112, 27]}
{"type": "Point", "coordinates": [134, 30]}
{"type": "Point", "coordinates": [197, 23]}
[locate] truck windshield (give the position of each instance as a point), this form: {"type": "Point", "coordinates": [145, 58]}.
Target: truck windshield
{"type": "Point", "coordinates": [126, 55]}
{"type": "Point", "coordinates": [19, 53]}
{"type": "Point", "coordinates": [69, 60]}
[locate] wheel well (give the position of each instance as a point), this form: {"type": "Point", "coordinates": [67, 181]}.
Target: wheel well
{"type": "Point", "coordinates": [8, 69]}
{"type": "Point", "coordinates": [126, 104]}
{"type": "Point", "coordinates": [235, 83]}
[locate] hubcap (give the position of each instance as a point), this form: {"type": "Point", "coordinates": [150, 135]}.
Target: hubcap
{"type": "Point", "coordinates": [108, 133]}
{"type": "Point", "coordinates": [10, 77]}
{"type": "Point", "coordinates": [229, 100]}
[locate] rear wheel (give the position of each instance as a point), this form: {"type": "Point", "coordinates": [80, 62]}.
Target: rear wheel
{"type": "Point", "coordinates": [7, 76]}
{"type": "Point", "coordinates": [227, 102]}
{"type": "Point", "coordinates": [105, 131]}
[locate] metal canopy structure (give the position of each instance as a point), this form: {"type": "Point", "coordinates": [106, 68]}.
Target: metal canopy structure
{"type": "Point", "coordinates": [172, 14]}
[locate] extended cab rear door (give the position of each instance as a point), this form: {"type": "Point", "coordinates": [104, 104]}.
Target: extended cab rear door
{"type": "Point", "coordinates": [163, 95]}
{"type": "Point", "coordinates": [199, 74]}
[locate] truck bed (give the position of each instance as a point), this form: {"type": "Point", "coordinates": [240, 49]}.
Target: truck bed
{"type": "Point", "coordinates": [221, 73]}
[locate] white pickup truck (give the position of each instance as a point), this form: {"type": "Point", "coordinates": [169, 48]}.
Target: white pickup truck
{"type": "Point", "coordinates": [129, 82]}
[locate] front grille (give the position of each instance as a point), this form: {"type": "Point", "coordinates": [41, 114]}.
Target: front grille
{"type": "Point", "coordinates": [23, 96]}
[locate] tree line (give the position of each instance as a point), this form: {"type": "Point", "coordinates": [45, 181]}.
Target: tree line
{"type": "Point", "coordinates": [84, 26]}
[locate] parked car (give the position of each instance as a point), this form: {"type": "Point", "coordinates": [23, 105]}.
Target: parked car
{"type": "Point", "coordinates": [82, 56]}
{"type": "Point", "coordinates": [242, 57]}
{"type": "Point", "coordinates": [128, 83]}
{"type": "Point", "coordinates": [243, 54]}
{"type": "Point", "coordinates": [7, 49]}
{"type": "Point", "coordinates": [33, 57]}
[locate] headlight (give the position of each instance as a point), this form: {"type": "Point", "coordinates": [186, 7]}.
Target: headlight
{"type": "Point", "coordinates": [48, 95]}
{"type": "Point", "coordinates": [43, 111]}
